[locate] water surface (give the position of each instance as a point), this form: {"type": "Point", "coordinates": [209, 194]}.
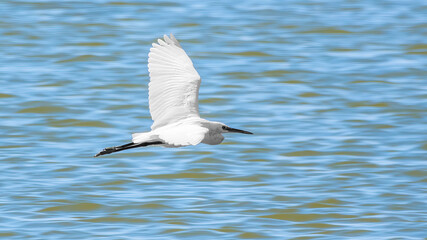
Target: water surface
{"type": "Point", "coordinates": [335, 92]}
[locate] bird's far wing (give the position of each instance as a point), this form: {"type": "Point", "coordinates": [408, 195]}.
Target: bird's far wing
{"type": "Point", "coordinates": [183, 135]}
{"type": "Point", "coordinates": [174, 83]}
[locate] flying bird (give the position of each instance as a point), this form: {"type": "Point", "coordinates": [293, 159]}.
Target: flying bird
{"type": "Point", "coordinates": [173, 101]}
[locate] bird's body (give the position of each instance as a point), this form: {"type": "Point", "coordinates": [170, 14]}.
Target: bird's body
{"type": "Point", "coordinates": [188, 131]}
{"type": "Point", "coordinates": [173, 101]}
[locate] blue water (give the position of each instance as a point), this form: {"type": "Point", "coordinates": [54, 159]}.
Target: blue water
{"type": "Point", "coordinates": [335, 92]}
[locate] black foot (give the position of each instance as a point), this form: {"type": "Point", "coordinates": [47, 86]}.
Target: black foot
{"type": "Point", "coordinates": [106, 151]}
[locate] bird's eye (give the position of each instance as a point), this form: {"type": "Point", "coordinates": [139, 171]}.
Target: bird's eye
{"type": "Point", "coordinates": [223, 127]}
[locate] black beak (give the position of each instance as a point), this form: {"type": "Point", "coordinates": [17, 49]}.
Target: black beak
{"type": "Point", "coordinates": [237, 130]}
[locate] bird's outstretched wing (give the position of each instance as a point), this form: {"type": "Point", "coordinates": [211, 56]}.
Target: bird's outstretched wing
{"type": "Point", "coordinates": [174, 83]}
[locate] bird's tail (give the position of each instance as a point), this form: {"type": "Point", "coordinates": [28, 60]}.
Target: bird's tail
{"type": "Point", "coordinates": [125, 147]}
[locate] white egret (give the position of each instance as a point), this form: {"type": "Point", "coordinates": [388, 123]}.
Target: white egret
{"type": "Point", "coordinates": [173, 101]}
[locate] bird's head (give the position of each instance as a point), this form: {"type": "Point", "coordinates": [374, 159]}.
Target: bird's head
{"type": "Point", "coordinates": [226, 129]}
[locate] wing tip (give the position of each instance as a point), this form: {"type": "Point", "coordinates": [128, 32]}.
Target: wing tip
{"type": "Point", "coordinates": [161, 42]}
{"type": "Point", "coordinates": [167, 40]}
{"type": "Point", "coordinates": [173, 40]}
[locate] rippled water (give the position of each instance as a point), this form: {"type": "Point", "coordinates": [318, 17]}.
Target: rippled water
{"type": "Point", "coordinates": [335, 92]}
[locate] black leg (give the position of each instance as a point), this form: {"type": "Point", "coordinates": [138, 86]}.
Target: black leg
{"type": "Point", "coordinates": [125, 147]}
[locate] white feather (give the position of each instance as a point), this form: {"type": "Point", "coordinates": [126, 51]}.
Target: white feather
{"type": "Point", "coordinates": [180, 135]}
{"type": "Point", "coordinates": [189, 131]}
{"type": "Point", "coordinates": [174, 83]}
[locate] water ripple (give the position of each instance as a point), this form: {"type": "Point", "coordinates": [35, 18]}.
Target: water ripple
{"type": "Point", "coordinates": [334, 92]}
